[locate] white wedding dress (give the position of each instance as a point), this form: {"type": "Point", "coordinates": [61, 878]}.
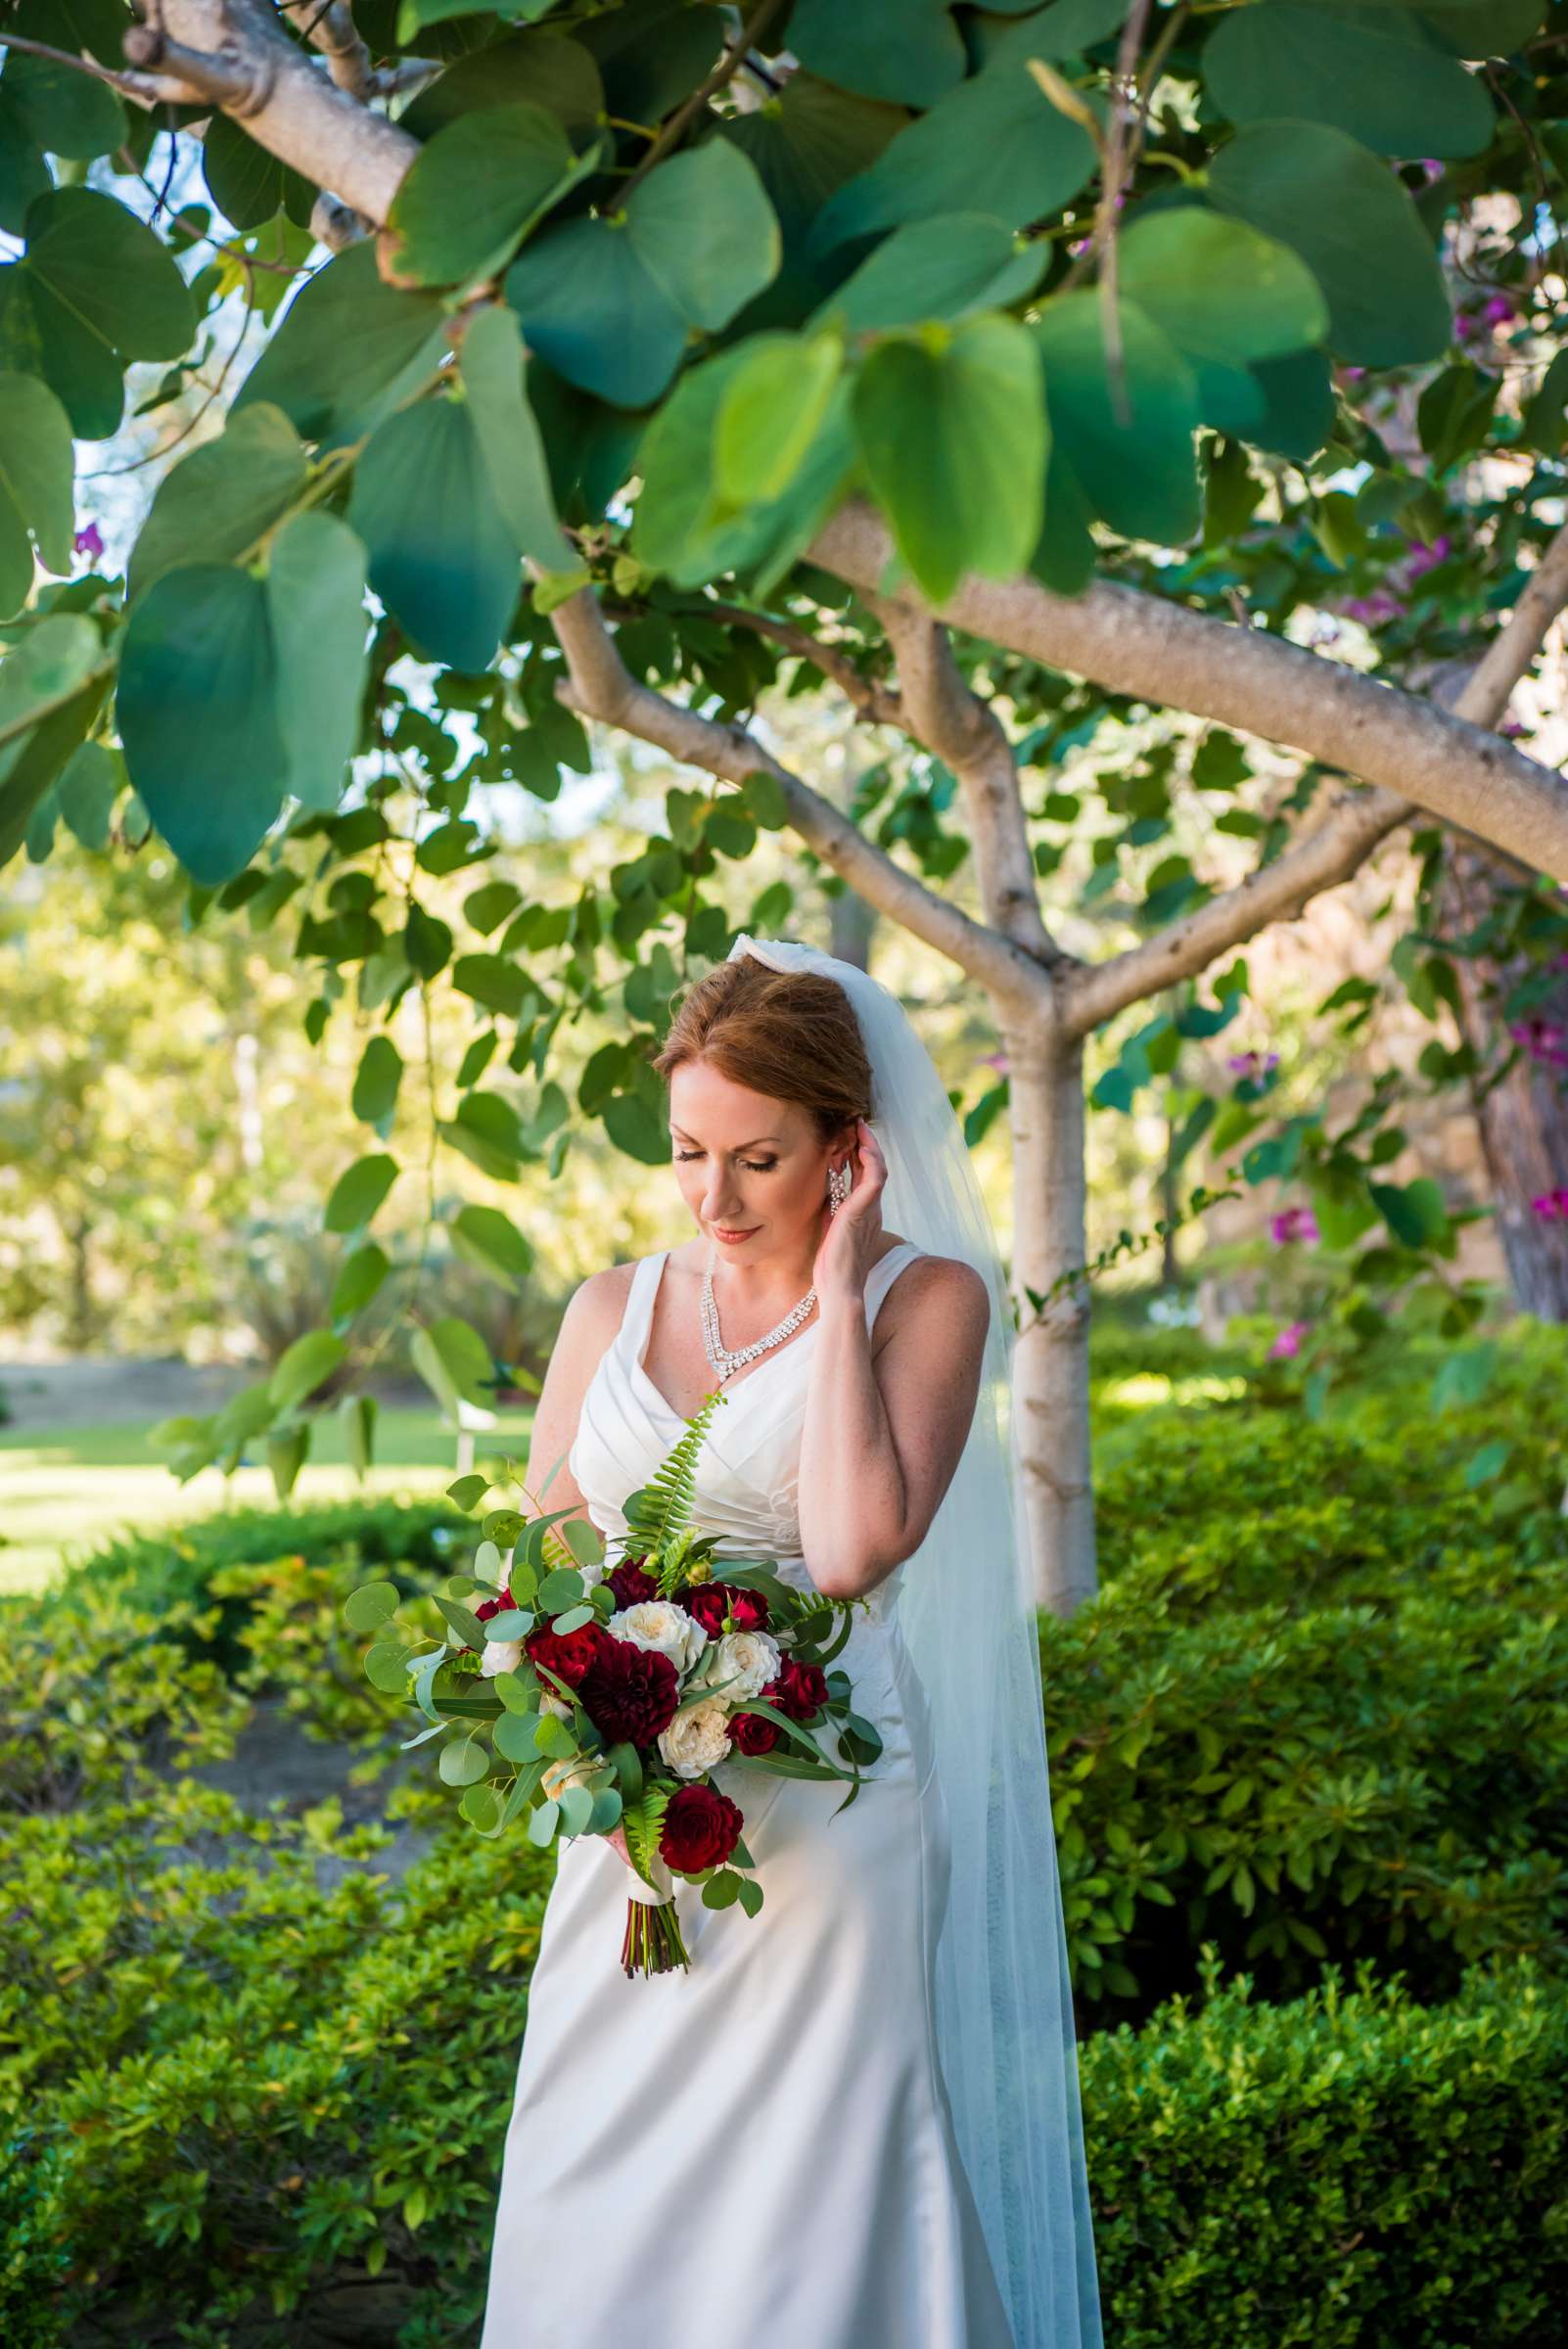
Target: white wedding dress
{"type": "Point", "coordinates": [761, 2151]}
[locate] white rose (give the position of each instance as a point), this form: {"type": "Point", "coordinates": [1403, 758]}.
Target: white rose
{"type": "Point", "coordinates": [500, 1655]}
{"type": "Point", "coordinates": [550, 1702]}
{"type": "Point", "coordinates": [659, 1624]}
{"type": "Point", "coordinates": [695, 1739]}
{"type": "Point", "coordinates": [746, 1660]}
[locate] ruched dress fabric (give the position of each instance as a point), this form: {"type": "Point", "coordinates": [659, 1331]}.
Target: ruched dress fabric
{"type": "Point", "coordinates": [760, 2149]}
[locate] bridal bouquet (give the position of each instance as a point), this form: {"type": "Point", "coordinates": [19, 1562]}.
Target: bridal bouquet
{"type": "Point", "coordinates": [583, 1696]}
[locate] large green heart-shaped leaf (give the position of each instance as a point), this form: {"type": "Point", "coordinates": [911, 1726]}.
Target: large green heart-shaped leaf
{"type": "Point", "coordinates": [771, 412]}
{"type": "Point", "coordinates": [1377, 73]}
{"type": "Point", "coordinates": [442, 560]}
{"type": "Point", "coordinates": [591, 309]}
{"type": "Point", "coordinates": [952, 434]}
{"type": "Point", "coordinates": [547, 69]}
{"type": "Point", "coordinates": [94, 289]}
{"type": "Point", "coordinates": [685, 525]}
{"type": "Point", "coordinates": [477, 188]}
{"type": "Point", "coordinates": [995, 145]}
{"type": "Point", "coordinates": [347, 350]}
{"type": "Point", "coordinates": [1137, 472]}
{"type": "Point", "coordinates": [940, 269]}
{"type": "Point", "coordinates": [214, 504]}
{"type": "Point", "coordinates": [36, 484]}
{"type": "Point", "coordinates": [491, 1241]}
{"type": "Point", "coordinates": [1218, 287]}
{"type": "Point", "coordinates": [59, 107]}
{"type": "Point", "coordinates": [316, 609]}
{"type": "Point", "coordinates": [907, 51]}
{"type": "Point", "coordinates": [807, 142]}
{"type": "Point", "coordinates": [704, 230]}
{"type": "Point", "coordinates": [609, 302]}
{"type": "Point", "coordinates": [198, 705]}
{"type": "Point", "coordinates": [1356, 227]}
{"type": "Point", "coordinates": [491, 362]}
{"type": "Point", "coordinates": [249, 185]}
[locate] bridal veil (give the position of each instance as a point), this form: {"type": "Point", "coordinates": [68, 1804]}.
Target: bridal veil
{"type": "Point", "coordinates": [1004, 2015]}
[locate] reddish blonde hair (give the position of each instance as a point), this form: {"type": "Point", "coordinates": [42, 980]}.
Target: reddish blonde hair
{"type": "Point", "coordinates": [790, 1035]}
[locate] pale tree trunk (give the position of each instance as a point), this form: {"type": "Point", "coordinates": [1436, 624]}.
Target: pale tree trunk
{"type": "Point", "coordinates": [1522, 1118]}
{"type": "Point", "coordinates": [1050, 1373]}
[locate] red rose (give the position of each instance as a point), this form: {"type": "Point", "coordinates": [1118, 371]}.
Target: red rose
{"type": "Point", "coordinates": [710, 1603]}
{"type": "Point", "coordinates": [494, 1606]}
{"type": "Point", "coordinates": [569, 1653]}
{"type": "Point", "coordinates": [754, 1732]}
{"type": "Point", "coordinates": [628, 1692]}
{"type": "Point", "coordinates": [701, 1828]}
{"type": "Point", "coordinates": [801, 1690]}
{"type": "Point", "coordinates": [631, 1585]}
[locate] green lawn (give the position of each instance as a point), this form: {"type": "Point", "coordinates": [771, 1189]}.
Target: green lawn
{"type": "Point", "coordinates": [63, 1490]}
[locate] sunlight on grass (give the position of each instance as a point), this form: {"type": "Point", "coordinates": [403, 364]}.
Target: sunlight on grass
{"type": "Point", "coordinates": [65, 1491]}
{"type": "Point", "coordinates": [1141, 1390]}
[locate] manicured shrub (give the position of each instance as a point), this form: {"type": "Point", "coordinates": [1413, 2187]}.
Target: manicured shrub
{"type": "Point", "coordinates": [1347, 1780]}
{"type": "Point", "coordinates": [1349, 2171]}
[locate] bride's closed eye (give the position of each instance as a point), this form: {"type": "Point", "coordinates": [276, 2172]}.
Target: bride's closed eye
{"type": "Point", "coordinates": [757, 1166]}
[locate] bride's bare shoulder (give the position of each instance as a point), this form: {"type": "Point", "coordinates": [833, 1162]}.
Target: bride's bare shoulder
{"type": "Point", "coordinates": [937, 1300]}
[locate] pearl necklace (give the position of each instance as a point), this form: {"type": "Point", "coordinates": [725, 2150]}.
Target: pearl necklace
{"type": "Point", "coordinates": [723, 1359]}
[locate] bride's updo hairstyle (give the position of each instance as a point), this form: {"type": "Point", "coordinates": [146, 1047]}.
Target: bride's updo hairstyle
{"type": "Point", "coordinates": [790, 1035]}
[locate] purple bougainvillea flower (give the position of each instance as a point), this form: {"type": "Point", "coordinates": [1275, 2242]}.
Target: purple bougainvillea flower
{"type": "Point", "coordinates": [89, 542]}
{"type": "Point", "coordinates": [1553, 1206]}
{"type": "Point", "coordinates": [1425, 556]}
{"type": "Point", "coordinates": [1252, 1064]}
{"type": "Point", "coordinates": [1294, 1223]}
{"type": "Point", "coordinates": [1288, 1342]}
{"type": "Point", "coordinates": [1543, 1041]}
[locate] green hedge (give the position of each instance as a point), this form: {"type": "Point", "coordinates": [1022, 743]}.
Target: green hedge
{"type": "Point", "coordinates": [1351, 1780]}
{"type": "Point", "coordinates": [1351, 2169]}
{"type": "Point", "coordinates": [1244, 1507]}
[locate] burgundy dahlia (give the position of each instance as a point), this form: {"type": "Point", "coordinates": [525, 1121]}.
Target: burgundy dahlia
{"type": "Point", "coordinates": [631, 1585]}
{"type": "Point", "coordinates": [629, 1692]}
{"type": "Point", "coordinates": [494, 1606]}
{"type": "Point", "coordinates": [710, 1603]}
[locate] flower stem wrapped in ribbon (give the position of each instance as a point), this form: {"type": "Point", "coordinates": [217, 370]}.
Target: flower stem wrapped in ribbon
{"type": "Point", "coordinates": [582, 1696]}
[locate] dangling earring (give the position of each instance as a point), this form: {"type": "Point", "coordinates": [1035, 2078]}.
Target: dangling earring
{"type": "Point", "coordinates": [838, 1188]}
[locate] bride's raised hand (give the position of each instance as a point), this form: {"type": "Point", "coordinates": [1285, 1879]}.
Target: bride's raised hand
{"type": "Point", "coordinates": [852, 1237]}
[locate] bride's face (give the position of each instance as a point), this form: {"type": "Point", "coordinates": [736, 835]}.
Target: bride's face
{"type": "Point", "coordinates": [746, 1163]}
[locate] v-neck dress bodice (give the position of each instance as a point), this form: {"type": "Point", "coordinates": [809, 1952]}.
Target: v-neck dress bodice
{"type": "Point", "coordinates": [748, 1469]}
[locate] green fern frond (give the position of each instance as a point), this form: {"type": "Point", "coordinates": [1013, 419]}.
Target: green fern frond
{"type": "Point", "coordinates": [643, 1821]}
{"type": "Point", "coordinates": [659, 1513]}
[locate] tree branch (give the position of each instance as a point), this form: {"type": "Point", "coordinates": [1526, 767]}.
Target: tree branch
{"type": "Point", "coordinates": [1137, 644]}
{"type": "Point", "coordinates": [235, 54]}
{"type": "Point", "coordinates": [1333, 850]}
{"type": "Point", "coordinates": [964, 732]}
{"type": "Point", "coordinates": [1322, 857]}
{"type": "Point", "coordinates": [332, 30]}
{"type": "Point", "coordinates": [599, 685]}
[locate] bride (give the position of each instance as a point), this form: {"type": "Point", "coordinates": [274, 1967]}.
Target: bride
{"type": "Point", "coordinates": [854, 2122]}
